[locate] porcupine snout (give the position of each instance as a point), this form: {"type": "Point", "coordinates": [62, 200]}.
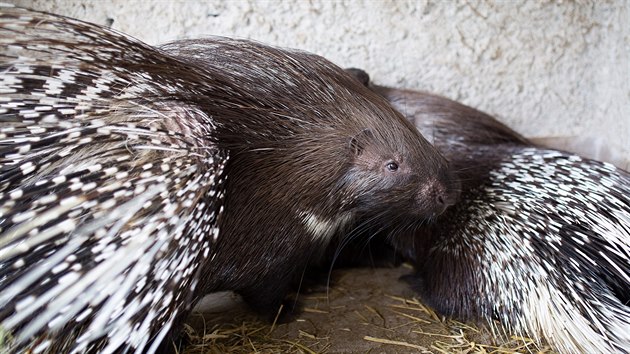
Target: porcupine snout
{"type": "Point", "coordinates": [442, 192]}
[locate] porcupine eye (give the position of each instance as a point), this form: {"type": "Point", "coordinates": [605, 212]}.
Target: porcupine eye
{"type": "Point", "coordinates": [391, 166]}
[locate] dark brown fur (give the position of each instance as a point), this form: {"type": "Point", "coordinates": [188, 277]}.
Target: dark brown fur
{"type": "Point", "coordinates": [310, 141]}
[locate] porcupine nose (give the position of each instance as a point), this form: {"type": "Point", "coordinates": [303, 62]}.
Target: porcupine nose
{"type": "Point", "coordinates": [441, 198]}
{"type": "Point", "coordinates": [443, 192]}
{"type": "Point", "coordinates": [440, 201]}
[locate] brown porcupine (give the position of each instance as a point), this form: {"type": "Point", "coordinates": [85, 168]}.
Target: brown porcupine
{"type": "Point", "coordinates": [342, 164]}
{"type": "Point", "coordinates": [133, 179]}
{"type": "Point", "coordinates": [539, 240]}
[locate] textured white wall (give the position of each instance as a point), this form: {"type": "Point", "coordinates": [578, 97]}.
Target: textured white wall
{"type": "Point", "coordinates": [547, 69]}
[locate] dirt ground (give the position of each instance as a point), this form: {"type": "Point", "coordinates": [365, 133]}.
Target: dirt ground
{"type": "Point", "coordinates": [364, 311]}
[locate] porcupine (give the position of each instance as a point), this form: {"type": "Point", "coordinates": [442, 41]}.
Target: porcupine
{"type": "Point", "coordinates": [136, 179]}
{"type": "Point", "coordinates": [538, 241]}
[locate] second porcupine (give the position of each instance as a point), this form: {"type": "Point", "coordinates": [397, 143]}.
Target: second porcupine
{"type": "Point", "coordinates": [539, 240]}
{"type": "Point", "coordinates": [135, 180]}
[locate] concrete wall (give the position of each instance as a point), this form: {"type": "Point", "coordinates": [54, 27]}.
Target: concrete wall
{"type": "Point", "coordinates": [546, 68]}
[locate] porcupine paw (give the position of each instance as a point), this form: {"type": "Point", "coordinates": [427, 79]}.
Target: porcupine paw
{"type": "Point", "coordinates": [315, 279]}
{"type": "Point", "coordinates": [272, 303]}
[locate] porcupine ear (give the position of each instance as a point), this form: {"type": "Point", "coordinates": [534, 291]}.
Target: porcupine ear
{"type": "Point", "coordinates": [358, 142]}
{"type": "Point", "coordinates": [360, 75]}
